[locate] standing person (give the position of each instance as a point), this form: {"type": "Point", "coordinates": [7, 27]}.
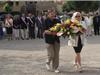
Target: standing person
{"type": "Point", "coordinates": [89, 22]}
{"type": "Point", "coordinates": [16, 27]}
{"type": "Point", "coordinates": [40, 26]}
{"type": "Point", "coordinates": [96, 23]}
{"type": "Point", "coordinates": [52, 41]}
{"type": "Point", "coordinates": [31, 25]}
{"type": "Point", "coordinates": [8, 25]}
{"type": "Point", "coordinates": [79, 40]}
{"type": "Point", "coordinates": [23, 27]}
{"type": "Point", "coordinates": [1, 30]}
{"type": "Point", "coordinates": [90, 27]}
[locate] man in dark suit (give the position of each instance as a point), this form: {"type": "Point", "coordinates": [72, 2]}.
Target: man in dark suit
{"type": "Point", "coordinates": [31, 25]}
{"type": "Point", "coordinates": [23, 27]}
{"type": "Point", "coordinates": [52, 41]}
{"type": "Point", "coordinates": [96, 23]}
{"type": "Point", "coordinates": [40, 26]}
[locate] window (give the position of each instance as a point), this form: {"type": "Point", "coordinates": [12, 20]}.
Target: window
{"type": "Point", "coordinates": [17, 3]}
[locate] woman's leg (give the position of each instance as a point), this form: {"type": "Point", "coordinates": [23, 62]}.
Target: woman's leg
{"type": "Point", "coordinates": [78, 59]}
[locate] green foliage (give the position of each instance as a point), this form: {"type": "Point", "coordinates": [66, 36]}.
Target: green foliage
{"type": "Point", "coordinates": [81, 6]}
{"type": "Point", "coordinates": [7, 7]}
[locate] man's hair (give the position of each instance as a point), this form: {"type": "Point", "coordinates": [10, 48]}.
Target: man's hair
{"type": "Point", "coordinates": [50, 10]}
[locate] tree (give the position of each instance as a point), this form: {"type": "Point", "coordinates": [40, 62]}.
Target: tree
{"type": "Point", "coordinates": [7, 8]}
{"type": "Point", "coordinates": [29, 7]}
{"type": "Point", "coordinates": [81, 6]}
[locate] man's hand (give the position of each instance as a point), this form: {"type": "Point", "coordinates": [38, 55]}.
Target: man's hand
{"type": "Point", "coordinates": [49, 32]}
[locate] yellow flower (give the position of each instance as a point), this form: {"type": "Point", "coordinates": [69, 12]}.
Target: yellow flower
{"type": "Point", "coordinates": [78, 24]}
{"type": "Point", "coordinates": [52, 29]}
{"type": "Point", "coordinates": [58, 24]}
{"type": "Point", "coordinates": [79, 28]}
{"type": "Point", "coordinates": [67, 21]}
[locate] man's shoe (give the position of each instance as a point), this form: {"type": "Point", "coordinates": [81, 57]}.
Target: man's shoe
{"type": "Point", "coordinates": [56, 71]}
{"type": "Point", "coordinates": [48, 66]}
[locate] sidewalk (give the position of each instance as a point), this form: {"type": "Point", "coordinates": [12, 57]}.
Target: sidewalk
{"type": "Point", "coordinates": [27, 57]}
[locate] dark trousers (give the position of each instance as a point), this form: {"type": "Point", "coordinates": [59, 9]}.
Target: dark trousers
{"type": "Point", "coordinates": [32, 32]}
{"type": "Point", "coordinates": [1, 32]}
{"type": "Point", "coordinates": [40, 33]}
{"type": "Point", "coordinates": [96, 30]}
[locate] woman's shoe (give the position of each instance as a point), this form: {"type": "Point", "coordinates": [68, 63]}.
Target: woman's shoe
{"type": "Point", "coordinates": [75, 67]}
{"type": "Point", "coordinates": [79, 68]}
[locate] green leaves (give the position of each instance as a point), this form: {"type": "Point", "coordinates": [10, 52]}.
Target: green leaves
{"type": "Point", "coordinates": [7, 7]}
{"type": "Point", "coordinates": [81, 6]}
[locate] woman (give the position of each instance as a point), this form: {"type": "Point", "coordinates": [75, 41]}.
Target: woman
{"type": "Point", "coordinates": [79, 39]}
{"type": "Point", "coordinates": [8, 25]}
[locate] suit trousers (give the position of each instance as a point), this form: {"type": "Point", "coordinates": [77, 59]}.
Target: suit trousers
{"type": "Point", "coordinates": [16, 33]}
{"type": "Point", "coordinates": [24, 33]}
{"type": "Point", "coordinates": [53, 54]}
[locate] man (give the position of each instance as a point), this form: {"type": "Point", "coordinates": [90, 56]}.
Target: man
{"type": "Point", "coordinates": [52, 41]}
{"type": "Point", "coordinates": [23, 27]}
{"type": "Point", "coordinates": [96, 23]}
{"type": "Point", "coordinates": [40, 25]}
{"type": "Point", "coordinates": [16, 27]}
{"type": "Point", "coordinates": [31, 25]}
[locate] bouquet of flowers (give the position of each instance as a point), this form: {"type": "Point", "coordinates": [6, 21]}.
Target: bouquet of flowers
{"type": "Point", "coordinates": [73, 28]}
{"type": "Point", "coordinates": [67, 29]}
{"type": "Point", "coordinates": [59, 29]}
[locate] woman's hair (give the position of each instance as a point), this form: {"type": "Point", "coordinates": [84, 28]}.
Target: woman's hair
{"type": "Point", "coordinates": [74, 16]}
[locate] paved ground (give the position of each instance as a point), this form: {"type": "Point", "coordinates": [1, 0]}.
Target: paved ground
{"type": "Point", "coordinates": [28, 57]}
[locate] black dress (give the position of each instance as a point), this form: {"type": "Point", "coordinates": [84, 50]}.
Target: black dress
{"type": "Point", "coordinates": [79, 46]}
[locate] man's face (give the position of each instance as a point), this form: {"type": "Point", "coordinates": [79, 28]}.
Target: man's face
{"type": "Point", "coordinates": [29, 15]}
{"type": "Point", "coordinates": [51, 15]}
{"type": "Point", "coordinates": [23, 15]}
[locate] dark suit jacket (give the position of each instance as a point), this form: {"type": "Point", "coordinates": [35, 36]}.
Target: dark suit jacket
{"type": "Point", "coordinates": [50, 39]}
{"type": "Point", "coordinates": [40, 24]}
{"type": "Point", "coordinates": [31, 23]}
{"type": "Point", "coordinates": [22, 24]}
{"type": "Point", "coordinates": [16, 24]}
{"type": "Point", "coordinates": [95, 22]}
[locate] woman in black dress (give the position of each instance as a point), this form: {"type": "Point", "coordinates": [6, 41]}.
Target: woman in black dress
{"type": "Point", "coordinates": [79, 39]}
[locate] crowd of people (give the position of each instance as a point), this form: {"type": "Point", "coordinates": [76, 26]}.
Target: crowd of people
{"type": "Point", "coordinates": [24, 26]}
{"type": "Point", "coordinates": [28, 26]}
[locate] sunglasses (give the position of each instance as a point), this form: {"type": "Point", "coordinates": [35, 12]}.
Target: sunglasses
{"type": "Point", "coordinates": [77, 16]}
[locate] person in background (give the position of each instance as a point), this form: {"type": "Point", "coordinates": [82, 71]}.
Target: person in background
{"type": "Point", "coordinates": [1, 30]}
{"type": "Point", "coordinates": [23, 27]}
{"type": "Point", "coordinates": [89, 22]}
{"type": "Point", "coordinates": [8, 25]}
{"type": "Point", "coordinates": [52, 41]}
{"type": "Point", "coordinates": [16, 27]}
{"type": "Point", "coordinates": [40, 25]}
{"type": "Point", "coordinates": [31, 25]}
{"type": "Point", "coordinates": [96, 23]}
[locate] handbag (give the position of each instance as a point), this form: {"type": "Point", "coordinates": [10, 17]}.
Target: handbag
{"type": "Point", "coordinates": [71, 41]}
{"type": "Point", "coordinates": [4, 29]}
